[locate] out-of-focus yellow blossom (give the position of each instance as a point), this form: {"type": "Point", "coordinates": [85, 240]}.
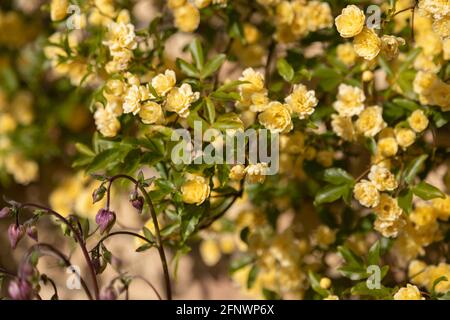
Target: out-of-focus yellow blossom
{"type": "Point", "coordinates": [164, 82]}
{"type": "Point", "coordinates": [276, 118]}
{"type": "Point", "coordinates": [202, 3]}
{"type": "Point", "coordinates": [350, 101]}
{"type": "Point", "coordinates": [210, 252]}
{"type": "Point", "coordinates": [256, 173]}
{"type": "Point", "coordinates": [325, 283]}
{"type": "Point", "coordinates": [350, 22]}
{"type": "Point", "coordinates": [301, 101]}
{"type": "Point", "coordinates": [151, 113]}
{"type": "Point", "coordinates": [323, 236]}
{"type": "Point", "coordinates": [21, 108]}
{"type": "Point", "coordinates": [325, 158]}
{"type": "Point", "coordinates": [410, 292]}
{"type": "Point", "coordinates": [389, 229]}
{"type": "Point", "coordinates": [370, 121]}
{"type": "Point", "coordinates": [390, 46]}
{"type": "Point", "coordinates": [237, 172]}
{"type": "Point", "coordinates": [423, 215]}
{"type": "Point", "coordinates": [331, 297]}
{"type": "Point", "coordinates": [405, 137]}
{"type": "Point", "coordinates": [106, 121]}
{"type": "Point", "coordinates": [187, 17]}
{"type": "Point", "coordinates": [387, 147]}
{"type": "Point", "coordinates": [24, 171]}
{"type": "Point", "coordinates": [343, 127]}
{"type": "Point", "coordinates": [383, 179]}
{"type": "Point", "coordinates": [254, 85]}
{"type": "Point", "coordinates": [367, 44]}
{"type": "Point", "coordinates": [179, 99]}
{"type": "Point", "coordinates": [195, 190]}
{"type": "Point", "coordinates": [367, 76]}
{"type": "Point", "coordinates": [366, 193]}
{"type": "Point", "coordinates": [446, 49]}
{"type": "Point", "coordinates": [418, 121]}
{"type": "Point", "coordinates": [432, 90]}
{"type": "Point", "coordinates": [346, 54]}
{"type": "Point", "coordinates": [173, 4]}
{"type": "Point", "coordinates": [251, 33]}
{"type": "Point", "coordinates": [58, 9]}
{"type": "Point", "coordinates": [7, 123]}
{"type": "Point", "coordinates": [442, 207]}
{"type": "Point", "coordinates": [259, 101]}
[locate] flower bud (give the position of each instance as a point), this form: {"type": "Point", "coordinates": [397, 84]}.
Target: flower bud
{"type": "Point", "coordinates": [5, 212]}
{"type": "Point", "coordinates": [98, 194]}
{"type": "Point", "coordinates": [105, 220]}
{"type": "Point", "coordinates": [108, 293]}
{"type": "Point", "coordinates": [138, 203]}
{"type": "Point", "coordinates": [32, 232]}
{"type": "Point", "coordinates": [15, 233]}
{"type": "Point", "coordinates": [20, 289]}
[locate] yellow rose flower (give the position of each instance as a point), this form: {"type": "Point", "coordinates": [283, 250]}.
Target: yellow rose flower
{"type": "Point", "coordinates": [195, 190]}
{"type": "Point", "coordinates": [284, 14]}
{"type": "Point", "coordinates": [58, 9]}
{"type": "Point", "coordinates": [323, 236]}
{"type": "Point", "coordinates": [411, 292]}
{"type": "Point", "coordinates": [173, 4]}
{"type": "Point", "coordinates": [237, 172]}
{"type": "Point", "coordinates": [389, 229]}
{"type": "Point", "coordinates": [346, 54]}
{"type": "Point", "coordinates": [301, 101]}
{"type": "Point", "coordinates": [180, 99]}
{"type": "Point", "coordinates": [423, 216]}
{"type": "Point", "coordinates": [370, 121]}
{"type": "Point", "coordinates": [343, 127]}
{"type": "Point", "coordinates": [350, 101]}
{"type": "Point", "coordinates": [106, 122]}
{"type": "Point", "coordinates": [350, 22]}
{"type": "Point", "coordinates": [405, 137]}
{"type": "Point", "coordinates": [367, 44]}
{"type": "Point", "coordinates": [388, 208]}
{"type": "Point", "coordinates": [366, 193]}
{"type": "Point", "coordinates": [383, 179]}
{"type": "Point", "coordinates": [163, 83]}
{"type": "Point", "coordinates": [251, 33]}
{"type": "Point", "coordinates": [418, 121]}
{"type": "Point", "coordinates": [417, 272]}
{"type": "Point", "coordinates": [276, 118]}
{"type": "Point", "coordinates": [7, 123]}
{"type": "Point", "coordinates": [187, 17]}
{"type": "Point", "coordinates": [24, 171]}
{"type": "Point", "coordinates": [390, 44]}
{"type": "Point", "coordinates": [256, 173]}
{"type": "Point", "coordinates": [202, 3]}
{"type": "Point", "coordinates": [387, 147]}
{"type": "Point", "coordinates": [151, 113]}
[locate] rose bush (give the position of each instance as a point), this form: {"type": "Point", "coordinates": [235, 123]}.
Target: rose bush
{"type": "Point", "coordinates": [356, 100]}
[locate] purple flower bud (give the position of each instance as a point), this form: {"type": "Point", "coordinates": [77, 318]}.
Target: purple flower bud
{"type": "Point", "coordinates": [105, 220]}
{"type": "Point", "coordinates": [5, 212]}
{"type": "Point", "coordinates": [108, 293]}
{"type": "Point", "coordinates": [20, 289]}
{"type": "Point", "coordinates": [15, 233]}
{"type": "Point", "coordinates": [138, 204]}
{"type": "Point", "coordinates": [32, 232]}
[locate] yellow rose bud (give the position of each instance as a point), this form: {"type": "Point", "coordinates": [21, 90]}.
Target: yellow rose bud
{"type": "Point", "coordinates": [367, 76]}
{"type": "Point", "coordinates": [325, 283]}
{"type": "Point", "coordinates": [350, 22]}
{"type": "Point", "coordinates": [58, 9]}
{"type": "Point", "coordinates": [195, 190]}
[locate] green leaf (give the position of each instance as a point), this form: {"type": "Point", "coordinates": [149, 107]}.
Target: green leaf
{"type": "Point", "coordinates": [373, 257]}
{"type": "Point", "coordinates": [187, 68]}
{"type": "Point", "coordinates": [427, 192]}
{"type": "Point", "coordinates": [196, 50]}
{"type": "Point", "coordinates": [436, 282]}
{"type": "Point", "coordinates": [252, 275]}
{"type": "Point", "coordinates": [413, 168]}
{"type": "Point", "coordinates": [213, 65]}
{"type": "Point", "coordinates": [350, 257]}
{"type": "Point", "coordinates": [84, 149]}
{"type": "Point", "coordinates": [144, 247]}
{"type": "Point", "coordinates": [285, 70]}
{"type": "Point", "coordinates": [361, 289]}
{"type": "Point", "coordinates": [239, 263]}
{"type": "Point", "coordinates": [329, 78]}
{"type": "Point", "coordinates": [210, 109]}
{"type": "Point", "coordinates": [229, 121]}
{"type": "Point", "coordinates": [338, 176]}
{"type": "Point", "coordinates": [314, 280]}
{"type": "Point", "coordinates": [330, 193]}
{"type": "Point", "coordinates": [406, 104]}
{"type": "Point", "coordinates": [148, 234]}
{"type": "Point", "coordinates": [405, 200]}
{"type": "Point", "coordinates": [270, 295]}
